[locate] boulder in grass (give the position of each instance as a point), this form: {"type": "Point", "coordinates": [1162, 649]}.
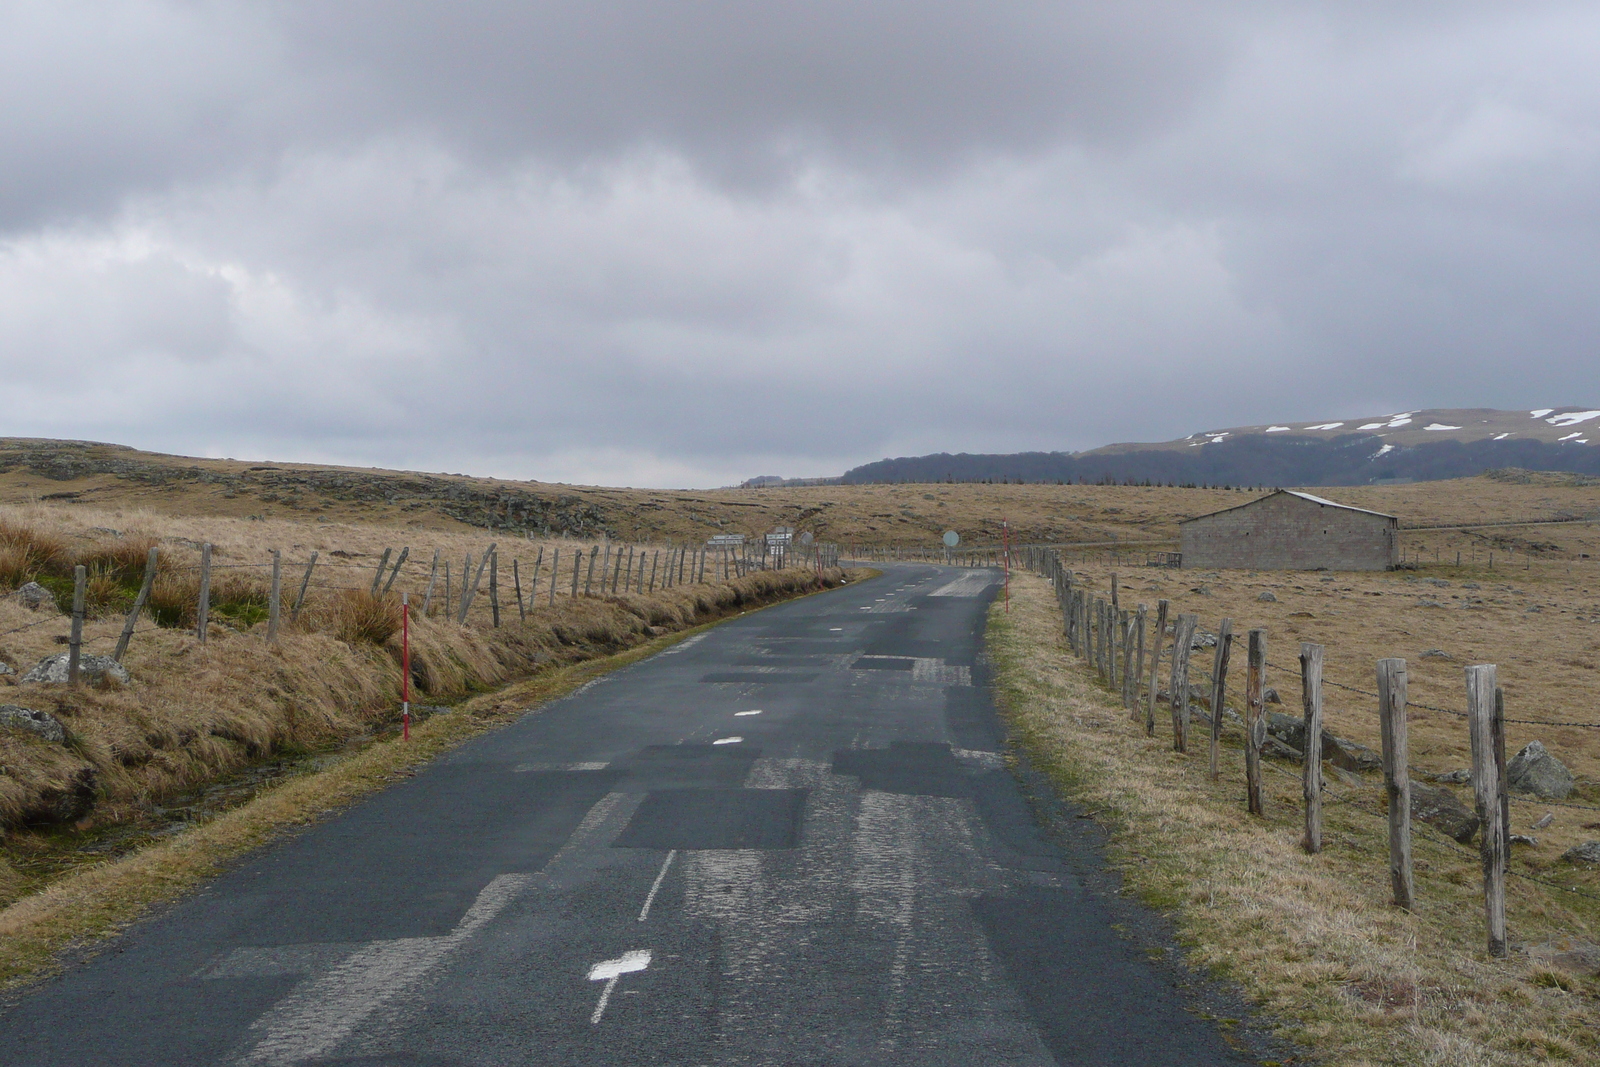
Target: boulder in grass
{"type": "Point", "coordinates": [92, 670]}
{"type": "Point", "coordinates": [1534, 770]}
{"type": "Point", "coordinates": [34, 596]}
{"type": "Point", "coordinates": [41, 723]}
{"type": "Point", "coordinates": [1267, 597]}
{"type": "Point", "coordinates": [1587, 853]}
{"type": "Point", "coordinates": [1569, 954]}
{"type": "Point", "coordinates": [1440, 808]}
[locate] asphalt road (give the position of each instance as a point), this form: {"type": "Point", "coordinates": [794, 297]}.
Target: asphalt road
{"type": "Point", "coordinates": [789, 840]}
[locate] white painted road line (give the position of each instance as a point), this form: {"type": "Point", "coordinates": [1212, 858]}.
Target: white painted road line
{"type": "Point", "coordinates": [967, 585]}
{"type": "Point", "coordinates": [655, 886]}
{"type": "Point", "coordinates": [742, 714]}
{"type": "Point", "coordinates": [727, 741]}
{"type": "Point", "coordinates": [609, 971]}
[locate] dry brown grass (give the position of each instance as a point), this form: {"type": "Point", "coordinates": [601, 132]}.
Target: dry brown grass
{"type": "Point", "coordinates": [1313, 939]}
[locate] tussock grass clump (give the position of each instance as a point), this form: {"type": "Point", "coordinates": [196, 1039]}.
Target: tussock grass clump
{"type": "Point", "coordinates": [353, 616]}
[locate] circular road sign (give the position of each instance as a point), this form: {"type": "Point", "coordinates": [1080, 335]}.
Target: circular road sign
{"type": "Point", "coordinates": [951, 539]}
{"type": "Point", "coordinates": [806, 538]}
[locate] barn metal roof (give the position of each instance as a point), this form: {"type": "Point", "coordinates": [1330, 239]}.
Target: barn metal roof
{"type": "Point", "coordinates": [1290, 492]}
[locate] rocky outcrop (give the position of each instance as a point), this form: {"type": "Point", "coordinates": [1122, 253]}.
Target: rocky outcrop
{"type": "Point", "coordinates": [92, 670]}
{"type": "Point", "coordinates": [1536, 771]}
{"type": "Point", "coordinates": [1439, 808]}
{"type": "Point", "coordinates": [40, 723]}
{"type": "Point", "coordinates": [34, 596]}
{"type": "Point", "coordinates": [1587, 853]}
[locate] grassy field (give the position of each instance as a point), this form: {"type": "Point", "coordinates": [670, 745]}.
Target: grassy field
{"type": "Point", "coordinates": [1314, 939]}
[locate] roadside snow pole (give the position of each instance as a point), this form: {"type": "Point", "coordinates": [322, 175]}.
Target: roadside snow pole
{"type": "Point", "coordinates": [1005, 534]}
{"type": "Point", "coordinates": [405, 666]}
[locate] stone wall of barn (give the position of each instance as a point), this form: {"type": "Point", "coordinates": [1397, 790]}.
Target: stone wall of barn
{"type": "Point", "coordinates": [1283, 532]}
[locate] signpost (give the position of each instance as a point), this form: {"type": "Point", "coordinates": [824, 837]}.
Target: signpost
{"type": "Point", "coordinates": [951, 540]}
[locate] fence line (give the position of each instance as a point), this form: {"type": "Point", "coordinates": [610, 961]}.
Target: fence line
{"type": "Point", "coordinates": [1095, 630]}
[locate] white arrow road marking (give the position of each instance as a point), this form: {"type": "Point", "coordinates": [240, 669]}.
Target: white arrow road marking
{"type": "Point", "coordinates": [609, 971]}
{"type": "Point", "coordinates": [727, 741]}
{"type": "Point", "coordinates": [742, 714]}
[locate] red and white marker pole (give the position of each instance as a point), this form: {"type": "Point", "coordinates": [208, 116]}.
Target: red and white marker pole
{"type": "Point", "coordinates": [405, 666]}
{"type": "Point", "coordinates": [1005, 535]}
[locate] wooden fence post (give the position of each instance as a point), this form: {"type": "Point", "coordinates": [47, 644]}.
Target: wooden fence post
{"type": "Point", "coordinates": [1138, 668]}
{"type": "Point", "coordinates": [1125, 632]}
{"type": "Point", "coordinates": [555, 573]}
{"type": "Point", "coordinates": [1396, 777]}
{"type": "Point", "coordinates": [588, 578]}
{"type": "Point", "coordinates": [1486, 790]}
{"type": "Point", "coordinates": [533, 586]}
{"type": "Point", "coordinates": [516, 588]}
{"type": "Point", "coordinates": [1311, 771]}
{"type": "Point", "coordinates": [605, 566]}
{"type": "Point", "coordinates": [203, 608]}
{"type": "Point", "coordinates": [494, 587]}
{"type": "Point", "coordinates": [449, 604]}
{"type": "Point", "coordinates": [150, 562]}
{"type": "Point", "coordinates": [433, 576]}
{"type": "Point", "coordinates": [394, 572]}
{"type": "Point", "coordinates": [80, 578]}
{"type": "Point", "coordinates": [305, 585]}
{"type": "Point", "coordinates": [1182, 639]}
{"type": "Point", "coordinates": [1255, 720]}
{"type": "Point", "coordinates": [1219, 692]}
{"type": "Point", "coordinates": [655, 562]}
{"type": "Point", "coordinates": [1155, 667]}
{"type": "Point", "coordinates": [383, 565]}
{"type": "Point", "coordinates": [1500, 768]}
{"type": "Point", "coordinates": [275, 597]}
{"type": "Point", "coordinates": [577, 572]}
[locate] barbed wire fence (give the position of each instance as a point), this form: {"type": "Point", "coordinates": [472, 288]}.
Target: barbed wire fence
{"type": "Point", "coordinates": [1125, 651]}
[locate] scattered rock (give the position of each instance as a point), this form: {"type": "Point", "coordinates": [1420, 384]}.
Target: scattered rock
{"type": "Point", "coordinates": [1350, 756]}
{"type": "Point", "coordinates": [1276, 749]}
{"type": "Point", "coordinates": [43, 723]}
{"type": "Point", "coordinates": [1588, 852]}
{"type": "Point", "coordinates": [34, 596]}
{"type": "Point", "coordinates": [1203, 640]}
{"type": "Point", "coordinates": [1523, 839]}
{"type": "Point", "coordinates": [1577, 957]}
{"type": "Point", "coordinates": [1439, 582]}
{"type": "Point", "coordinates": [1533, 770]}
{"type": "Point", "coordinates": [1426, 603]}
{"type": "Point", "coordinates": [1301, 615]}
{"type": "Point", "coordinates": [1544, 820]}
{"type": "Point", "coordinates": [1267, 597]}
{"type": "Point", "coordinates": [1471, 585]}
{"type": "Point", "coordinates": [1270, 695]}
{"type": "Point", "coordinates": [92, 670]}
{"type": "Point", "coordinates": [1201, 590]}
{"type": "Point", "coordinates": [1440, 808]}
{"type": "Point", "coordinates": [6, 668]}
{"type": "Point", "coordinates": [1461, 777]}
{"type": "Point", "coordinates": [1436, 653]}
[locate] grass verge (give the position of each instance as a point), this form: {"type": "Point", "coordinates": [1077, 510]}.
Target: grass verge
{"type": "Point", "coordinates": [1313, 940]}
{"type": "Point", "coordinates": [75, 912]}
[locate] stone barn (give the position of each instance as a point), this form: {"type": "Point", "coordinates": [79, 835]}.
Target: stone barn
{"type": "Point", "coordinates": [1289, 531]}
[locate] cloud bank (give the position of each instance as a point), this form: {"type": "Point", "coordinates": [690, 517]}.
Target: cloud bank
{"type": "Point", "coordinates": [680, 244]}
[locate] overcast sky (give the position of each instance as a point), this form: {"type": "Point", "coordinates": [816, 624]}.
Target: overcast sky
{"type": "Point", "coordinates": [684, 243]}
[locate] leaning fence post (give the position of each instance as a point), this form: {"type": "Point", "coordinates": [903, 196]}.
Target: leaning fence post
{"type": "Point", "coordinates": [383, 565]}
{"type": "Point", "coordinates": [1486, 790]}
{"type": "Point", "coordinates": [533, 586]}
{"type": "Point", "coordinates": [275, 597]}
{"type": "Point", "coordinates": [1311, 772]}
{"type": "Point", "coordinates": [1137, 676]}
{"type": "Point", "coordinates": [588, 580]}
{"type": "Point", "coordinates": [577, 570]}
{"type": "Point", "coordinates": [1182, 639]}
{"type": "Point", "coordinates": [138, 604]}
{"type": "Point", "coordinates": [1219, 692]}
{"type": "Point", "coordinates": [1125, 632]}
{"type": "Point", "coordinates": [80, 578]}
{"type": "Point", "coordinates": [555, 573]}
{"type": "Point", "coordinates": [1255, 720]}
{"type": "Point", "coordinates": [1155, 667]}
{"type": "Point", "coordinates": [394, 572]}
{"type": "Point", "coordinates": [203, 608]}
{"type": "Point", "coordinates": [516, 587]}
{"type": "Point", "coordinates": [305, 583]}
{"type": "Point", "coordinates": [1396, 777]}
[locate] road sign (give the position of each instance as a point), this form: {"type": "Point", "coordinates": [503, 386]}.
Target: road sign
{"type": "Point", "coordinates": [806, 538]}
{"type": "Point", "coordinates": [722, 540]}
{"type": "Point", "coordinates": [951, 539]}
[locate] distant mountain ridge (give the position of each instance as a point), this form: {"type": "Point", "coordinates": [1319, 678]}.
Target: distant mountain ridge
{"type": "Point", "coordinates": [1419, 445]}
